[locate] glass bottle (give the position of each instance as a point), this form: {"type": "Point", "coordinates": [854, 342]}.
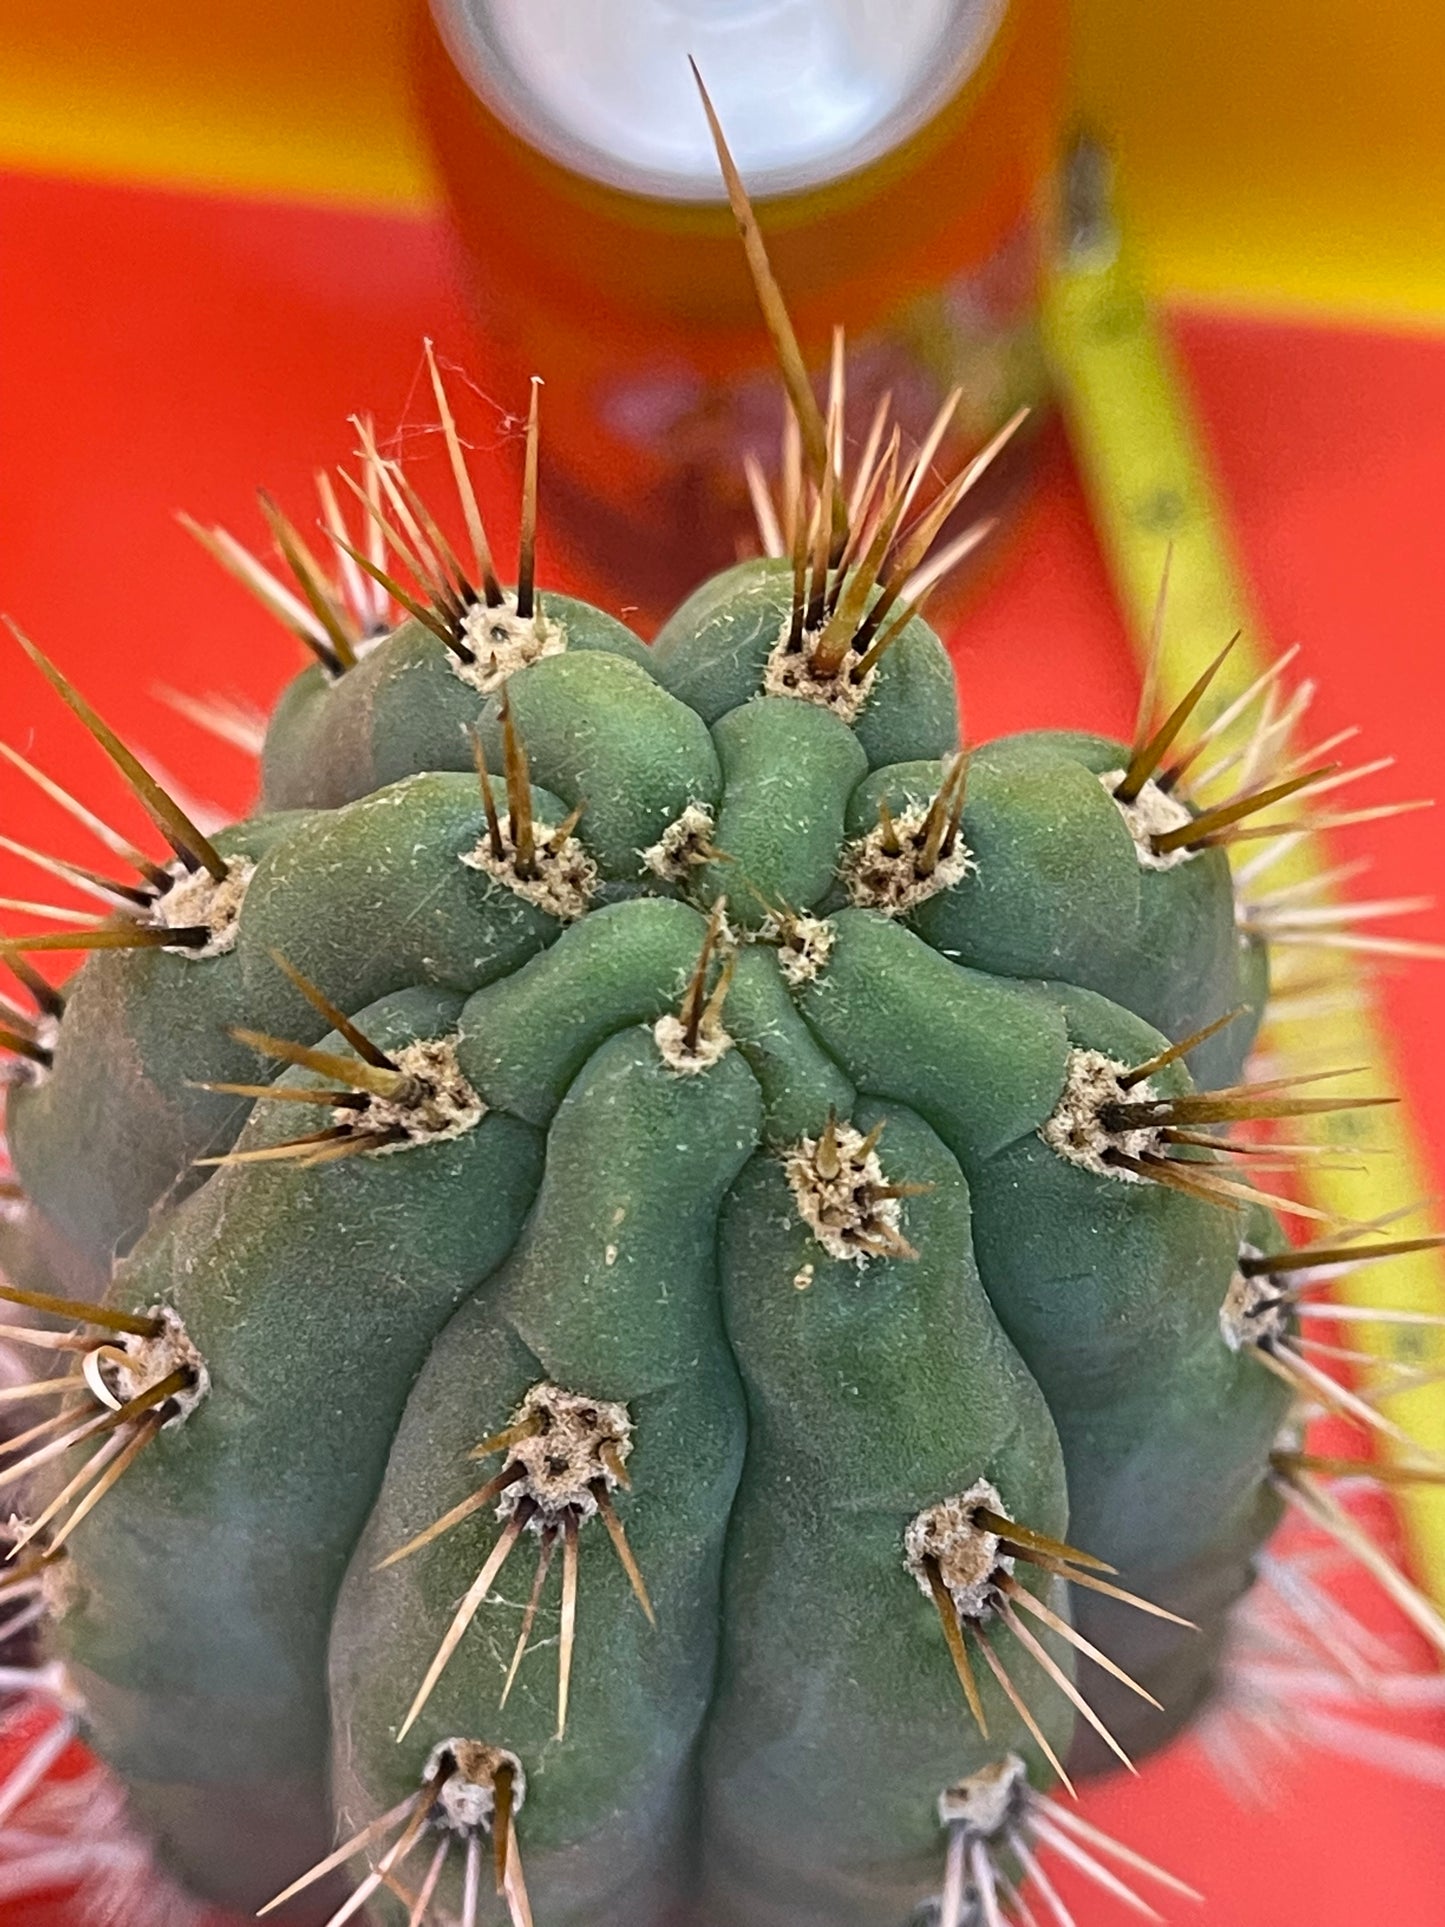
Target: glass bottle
{"type": "Point", "coordinates": [898, 153]}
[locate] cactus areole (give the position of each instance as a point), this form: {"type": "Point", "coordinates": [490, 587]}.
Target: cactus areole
{"type": "Point", "coordinates": [676, 1334]}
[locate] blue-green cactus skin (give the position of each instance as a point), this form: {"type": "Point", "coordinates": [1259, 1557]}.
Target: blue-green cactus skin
{"type": "Point", "coordinates": [623, 1213]}
{"type": "Point", "coordinates": [313, 1297]}
{"type": "Point", "coordinates": [713, 651]}
{"type": "Point", "coordinates": [600, 732]}
{"type": "Point", "coordinates": [870, 1396]}
{"type": "Point", "coordinates": [402, 708]}
{"type": "Point", "coordinates": [612, 1291]}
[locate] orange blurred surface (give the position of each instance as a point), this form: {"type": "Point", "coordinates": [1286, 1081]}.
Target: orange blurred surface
{"type": "Point", "coordinates": [1280, 152]}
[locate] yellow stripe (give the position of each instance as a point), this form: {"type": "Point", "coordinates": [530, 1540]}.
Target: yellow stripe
{"type": "Point", "coordinates": [293, 99]}
{"type": "Point", "coordinates": [1284, 156]}
{"type": "Point", "coordinates": [1149, 485]}
{"type": "Point", "coordinates": [256, 157]}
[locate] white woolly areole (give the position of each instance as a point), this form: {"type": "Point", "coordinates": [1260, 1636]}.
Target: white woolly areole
{"type": "Point", "coordinates": [45, 1031]}
{"type": "Point", "coordinates": [1073, 1131]}
{"type": "Point", "coordinates": [670, 1035]}
{"type": "Point", "coordinates": [967, 1556]}
{"type": "Point", "coordinates": [439, 1103]}
{"type": "Point", "coordinates": [197, 901]}
{"type": "Point", "coordinates": [578, 1444]}
{"type": "Point", "coordinates": [1255, 1312]}
{"type": "Point", "coordinates": [878, 879]}
{"type": "Point", "coordinates": [804, 946]}
{"type": "Point", "coordinates": [683, 845]}
{"type": "Point", "coordinates": [122, 1370]}
{"type": "Point", "coordinates": [840, 1207]}
{"type": "Point", "coordinates": [788, 673]}
{"type": "Point", "coordinates": [987, 1803]}
{"type": "Point", "coordinates": [503, 642]}
{"type": "Point", "coordinates": [467, 1802]}
{"type": "Point", "coordinates": [566, 878]}
{"type": "Point", "coordinates": [1152, 813]}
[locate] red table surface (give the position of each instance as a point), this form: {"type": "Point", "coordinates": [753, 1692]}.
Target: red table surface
{"type": "Point", "coordinates": [160, 351]}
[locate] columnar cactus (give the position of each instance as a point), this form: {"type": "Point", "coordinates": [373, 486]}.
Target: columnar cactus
{"type": "Point", "coordinates": [682, 1336]}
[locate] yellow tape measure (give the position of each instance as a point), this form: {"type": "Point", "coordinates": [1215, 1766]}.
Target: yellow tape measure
{"type": "Point", "coordinates": [1150, 490]}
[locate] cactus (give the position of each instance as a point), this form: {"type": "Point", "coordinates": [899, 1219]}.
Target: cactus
{"type": "Point", "coordinates": [663, 1321]}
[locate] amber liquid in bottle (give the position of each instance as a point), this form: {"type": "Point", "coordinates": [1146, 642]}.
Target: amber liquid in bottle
{"type": "Point", "coordinates": [898, 153]}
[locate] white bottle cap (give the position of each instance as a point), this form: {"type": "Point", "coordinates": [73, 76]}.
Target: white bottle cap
{"type": "Point", "coordinates": [807, 90]}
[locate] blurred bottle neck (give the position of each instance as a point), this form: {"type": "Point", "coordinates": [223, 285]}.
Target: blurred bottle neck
{"type": "Point", "coordinates": [808, 90]}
